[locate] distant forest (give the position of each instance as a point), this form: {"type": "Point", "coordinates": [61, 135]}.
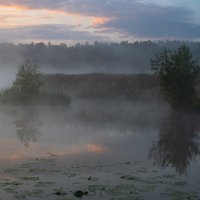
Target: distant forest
{"type": "Point", "coordinates": [121, 57]}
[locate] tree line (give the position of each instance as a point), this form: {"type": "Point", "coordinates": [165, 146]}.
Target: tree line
{"type": "Point", "coordinates": [124, 57]}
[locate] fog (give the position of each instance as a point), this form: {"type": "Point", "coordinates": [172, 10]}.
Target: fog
{"type": "Point", "coordinates": [136, 104]}
{"type": "Point", "coordinates": [99, 142]}
{"type": "Point", "coordinates": [116, 132]}
{"type": "Point", "coordinates": [7, 76]}
{"type": "Point", "coordinates": [94, 127]}
{"type": "Point", "coordinates": [113, 58]}
{"type": "Point", "coordinates": [96, 114]}
{"type": "Point", "coordinates": [123, 58]}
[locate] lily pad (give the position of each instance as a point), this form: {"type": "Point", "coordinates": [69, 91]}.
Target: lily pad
{"type": "Point", "coordinates": [130, 177]}
{"type": "Point", "coordinates": [44, 184]}
{"type": "Point", "coordinates": [27, 178]}
{"type": "Point", "coordinates": [94, 188]}
{"type": "Point", "coordinates": [124, 192]}
{"type": "Point", "coordinates": [179, 195]}
{"type": "Point", "coordinates": [60, 192]}
{"type": "Point", "coordinates": [80, 193]}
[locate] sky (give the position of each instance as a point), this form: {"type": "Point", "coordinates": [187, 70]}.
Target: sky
{"type": "Point", "coordinates": [72, 21]}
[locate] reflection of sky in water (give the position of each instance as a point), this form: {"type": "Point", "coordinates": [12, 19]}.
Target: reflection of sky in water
{"type": "Point", "coordinates": [98, 132]}
{"type": "Point", "coordinates": [70, 139]}
{"type": "Point", "coordinates": [27, 132]}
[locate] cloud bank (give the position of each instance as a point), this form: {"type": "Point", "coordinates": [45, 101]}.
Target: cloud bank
{"type": "Point", "coordinates": [131, 18]}
{"type": "Point", "coordinates": [46, 32]}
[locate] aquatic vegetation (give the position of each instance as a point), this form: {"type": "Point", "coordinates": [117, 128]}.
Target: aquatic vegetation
{"type": "Point", "coordinates": [181, 183]}
{"type": "Point", "coordinates": [90, 178]}
{"type": "Point", "coordinates": [60, 192]}
{"type": "Point", "coordinates": [169, 176]}
{"type": "Point", "coordinates": [111, 182]}
{"type": "Point", "coordinates": [44, 184]}
{"type": "Point", "coordinates": [142, 171]}
{"type": "Point", "coordinates": [10, 190]}
{"type": "Point", "coordinates": [178, 195]}
{"type": "Point", "coordinates": [10, 183]}
{"type": "Point", "coordinates": [27, 178]}
{"type": "Point", "coordinates": [80, 193]}
{"type": "Point", "coordinates": [37, 170]}
{"type": "Point", "coordinates": [148, 187]}
{"type": "Point", "coordinates": [28, 193]}
{"type": "Point", "coordinates": [70, 175]}
{"type": "Point", "coordinates": [130, 177]}
{"type": "Point", "coordinates": [95, 188]}
{"type": "Point", "coordinates": [13, 171]}
{"type": "Point", "coordinates": [124, 192]}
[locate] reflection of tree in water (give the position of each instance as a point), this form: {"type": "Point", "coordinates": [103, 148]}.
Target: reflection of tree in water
{"type": "Point", "coordinates": [27, 125]}
{"type": "Point", "coordinates": [178, 142]}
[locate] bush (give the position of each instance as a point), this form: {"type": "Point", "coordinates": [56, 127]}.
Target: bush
{"type": "Point", "coordinates": [28, 81]}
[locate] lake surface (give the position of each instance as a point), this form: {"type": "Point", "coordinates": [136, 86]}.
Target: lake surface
{"type": "Point", "coordinates": [99, 150]}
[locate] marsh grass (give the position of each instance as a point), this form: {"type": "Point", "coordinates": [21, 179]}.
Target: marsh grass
{"type": "Point", "coordinates": [12, 96]}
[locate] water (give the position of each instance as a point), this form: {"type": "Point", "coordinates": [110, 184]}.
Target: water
{"type": "Point", "coordinates": [105, 149]}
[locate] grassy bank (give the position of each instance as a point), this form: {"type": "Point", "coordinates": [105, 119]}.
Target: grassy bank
{"type": "Point", "coordinates": [11, 96]}
{"type": "Point", "coordinates": [106, 86]}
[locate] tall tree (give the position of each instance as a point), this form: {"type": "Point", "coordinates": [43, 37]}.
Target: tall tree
{"type": "Point", "coordinates": [178, 73]}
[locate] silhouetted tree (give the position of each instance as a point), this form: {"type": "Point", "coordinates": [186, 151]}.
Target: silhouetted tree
{"type": "Point", "coordinates": [178, 74]}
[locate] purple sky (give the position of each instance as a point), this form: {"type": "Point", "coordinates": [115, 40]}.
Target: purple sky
{"type": "Point", "coordinates": [72, 21]}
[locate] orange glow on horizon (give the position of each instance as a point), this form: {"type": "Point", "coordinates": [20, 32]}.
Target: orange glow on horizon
{"type": "Point", "coordinates": [75, 150]}
{"type": "Point", "coordinates": [19, 153]}
{"type": "Point", "coordinates": [19, 16]}
{"type": "Point", "coordinates": [15, 15]}
{"type": "Point", "coordinates": [8, 14]}
{"type": "Point", "coordinates": [11, 9]}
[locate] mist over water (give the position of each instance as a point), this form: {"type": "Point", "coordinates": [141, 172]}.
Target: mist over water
{"type": "Point", "coordinates": [62, 130]}
{"type": "Point", "coordinates": [7, 76]}
{"type": "Point", "coordinates": [117, 133]}
{"type": "Point", "coordinates": [115, 136]}
{"type": "Point", "coordinates": [119, 130]}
